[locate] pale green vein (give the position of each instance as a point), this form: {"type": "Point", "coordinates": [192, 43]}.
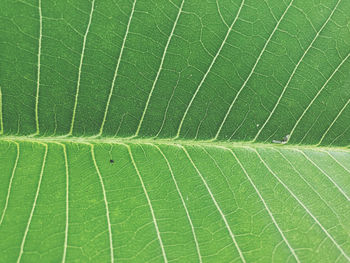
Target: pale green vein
{"type": "Point", "coordinates": [117, 68]}
{"type": "Point", "coordinates": [292, 75]}
{"type": "Point", "coordinates": [302, 205]}
{"type": "Point", "coordinates": [10, 184]}
{"type": "Point", "coordinates": [64, 149]}
{"type": "Point", "coordinates": [209, 68]}
{"type": "Point", "coordinates": [80, 68]}
{"type": "Point", "coordinates": [265, 205]}
{"type": "Point", "coordinates": [252, 71]}
{"type": "Point", "coordinates": [182, 200]}
{"type": "Point", "coordinates": [34, 205]}
{"type": "Point", "coordinates": [148, 201]}
{"type": "Point", "coordinates": [106, 203]}
{"type": "Point", "coordinates": [215, 203]}
{"type": "Point", "coordinates": [160, 68]}
{"type": "Point", "coordinates": [38, 69]}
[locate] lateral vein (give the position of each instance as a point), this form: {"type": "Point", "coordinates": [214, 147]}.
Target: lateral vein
{"type": "Point", "coordinates": [148, 201]}
{"type": "Point", "coordinates": [117, 69]}
{"type": "Point", "coordinates": [10, 184]}
{"type": "Point", "coordinates": [80, 68]}
{"type": "Point", "coordinates": [38, 70]}
{"type": "Point", "coordinates": [106, 203]}
{"type": "Point", "coordinates": [34, 205]}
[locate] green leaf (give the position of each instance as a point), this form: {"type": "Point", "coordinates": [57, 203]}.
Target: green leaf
{"type": "Point", "coordinates": [183, 130]}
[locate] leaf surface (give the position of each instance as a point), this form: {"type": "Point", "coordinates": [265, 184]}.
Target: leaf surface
{"type": "Point", "coordinates": [161, 131]}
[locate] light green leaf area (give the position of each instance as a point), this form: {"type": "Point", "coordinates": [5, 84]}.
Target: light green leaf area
{"type": "Point", "coordinates": [174, 131]}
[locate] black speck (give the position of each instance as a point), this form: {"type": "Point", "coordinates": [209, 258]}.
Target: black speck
{"type": "Point", "coordinates": [111, 161]}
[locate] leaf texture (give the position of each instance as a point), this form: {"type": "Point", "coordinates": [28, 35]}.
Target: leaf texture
{"type": "Point", "coordinates": [153, 131]}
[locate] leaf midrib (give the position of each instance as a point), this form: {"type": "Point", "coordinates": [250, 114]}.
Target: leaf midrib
{"type": "Point", "coordinates": [164, 141]}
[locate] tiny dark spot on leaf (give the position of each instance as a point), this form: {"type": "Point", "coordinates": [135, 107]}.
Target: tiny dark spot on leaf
{"type": "Point", "coordinates": [111, 161]}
